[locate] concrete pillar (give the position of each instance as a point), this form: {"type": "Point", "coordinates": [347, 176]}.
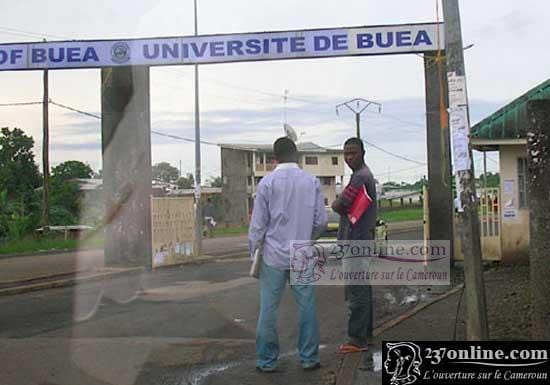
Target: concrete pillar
{"type": "Point", "coordinates": [440, 201]}
{"type": "Point", "coordinates": [234, 192]}
{"type": "Point", "coordinates": [126, 149]}
{"type": "Point", "coordinates": [538, 157]}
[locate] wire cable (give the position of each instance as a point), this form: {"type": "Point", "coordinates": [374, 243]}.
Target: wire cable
{"type": "Point", "coordinates": [394, 155]}
{"type": "Point", "coordinates": [21, 32]}
{"type": "Point", "coordinates": [19, 104]}
{"type": "Point", "coordinates": [152, 131]}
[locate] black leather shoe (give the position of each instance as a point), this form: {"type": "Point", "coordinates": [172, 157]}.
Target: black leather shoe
{"type": "Point", "coordinates": [310, 367]}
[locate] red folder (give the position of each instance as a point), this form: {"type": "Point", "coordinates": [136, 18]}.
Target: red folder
{"type": "Point", "coordinates": [361, 203]}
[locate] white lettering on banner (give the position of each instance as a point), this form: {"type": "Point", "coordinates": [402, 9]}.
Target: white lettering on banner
{"type": "Point", "coordinates": [222, 48]}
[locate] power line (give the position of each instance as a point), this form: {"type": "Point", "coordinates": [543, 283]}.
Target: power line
{"type": "Point", "coordinates": [394, 155]}
{"type": "Point", "coordinates": [388, 153]}
{"type": "Point", "coordinates": [75, 110]}
{"type": "Point", "coordinates": [152, 131]}
{"type": "Point", "coordinates": [299, 99]}
{"type": "Point", "coordinates": [19, 104]}
{"type": "Point", "coordinates": [406, 169]}
{"type": "Point", "coordinates": [181, 138]}
{"type": "Point", "coordinates": [21, 32]}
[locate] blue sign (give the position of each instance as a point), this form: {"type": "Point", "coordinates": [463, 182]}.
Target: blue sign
{"type": "Point", "coordinates": [299, 44]}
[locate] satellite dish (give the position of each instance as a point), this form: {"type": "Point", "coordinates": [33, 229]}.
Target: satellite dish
{"type": "Point", "coordinates": [290, 133]}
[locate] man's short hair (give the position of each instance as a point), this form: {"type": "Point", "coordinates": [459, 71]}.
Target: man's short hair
{"type": "Point", "coordinates": [284, 148]}
{"type": "Point", "coordinates": [356, 141]}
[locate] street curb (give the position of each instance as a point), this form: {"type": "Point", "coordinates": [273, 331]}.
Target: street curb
{"type": "Point", "coordinates": [30, 280]}
{"type": "Point", "coordinates": [63, 251]}
{"type": "Point", "coordinates": [404, 230]}
{"type": "Point", "coordinates": [202, 259]}
{"type": "Point", "coordinates": [350, 363]}
{"type": "Point", "coordinates": [70, 282]}
{"type": "Point", "coordinates": [418, 308]}
{"type": "Point", "coordinates": [26, 285]}
{"type": "Point", "coordinates": [46, 252]}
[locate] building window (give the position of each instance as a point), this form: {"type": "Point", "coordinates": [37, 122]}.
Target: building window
{"type": "Point", "coordinates": [259, 158]}
{"type": "Point", "coordinates": [335, 161]}
{"type": "Point", "coordinates": [522, 183]}
{"type": "Point", "coordinates": [311, 160]}
{"type": "Point", "coordinates": [326, 180]}
{"type": "Point", "coordinates": [326, 201]}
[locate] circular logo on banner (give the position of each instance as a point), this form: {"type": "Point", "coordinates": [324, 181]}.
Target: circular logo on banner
{"type": "Point", "coordinates": [120, 52]}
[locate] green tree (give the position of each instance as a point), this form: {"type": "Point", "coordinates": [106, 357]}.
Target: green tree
{"type": "Point", "coordinates": [65, 195]}
{"type": "Point", "coordinates": [19, 174]}
{"type": "Point", "coordinates": [186, 181]}
{"type": "Point", "coordinates": [71, 169]}
{"type": "Point", "coordinates": [216, 181]}
{"type": "Point", "coordinates": [493, 180]}
{"type": "Point", "coordinates": [165, 172]}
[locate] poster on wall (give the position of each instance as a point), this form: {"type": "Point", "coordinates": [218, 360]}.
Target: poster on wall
{"type": "Point", "coordinates": [509, 208]}
{"type": "Point", "coordinates": [173, 230]}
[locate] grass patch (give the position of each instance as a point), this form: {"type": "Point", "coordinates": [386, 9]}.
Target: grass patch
{"type": "Point", "coordinates": [225, 231]}
{"type": "Point", "coordinates": [42, 244]}
{"type": "Point", "coordinates": [401, 215]}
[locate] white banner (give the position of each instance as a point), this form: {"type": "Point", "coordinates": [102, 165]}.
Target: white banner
{"type": "Point", "coordinates": [299, 44]}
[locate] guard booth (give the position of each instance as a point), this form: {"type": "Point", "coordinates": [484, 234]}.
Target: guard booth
{"type": "Point", "coordinates": [504, 131]}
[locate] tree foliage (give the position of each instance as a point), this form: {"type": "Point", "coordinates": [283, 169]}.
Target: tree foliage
{"type": "Point", "coordinates": [19, 177]}
{"type": "Point", "coordinates": [216, 181]}
{"type": "Point", "coordinates": [165, 172]}
{"type": "Point", "coordinates": [186, 181]}
{"type": "Point", "coordinates": [19, 174]}
{"type": "Point", "coordinates": [71, 169]}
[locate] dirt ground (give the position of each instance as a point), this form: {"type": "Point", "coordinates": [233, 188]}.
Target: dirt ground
{"type": "Point", "coordinates": [507, 294]}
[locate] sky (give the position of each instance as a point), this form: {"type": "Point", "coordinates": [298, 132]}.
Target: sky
{"type": "Point", "coordinates": [244, 102]}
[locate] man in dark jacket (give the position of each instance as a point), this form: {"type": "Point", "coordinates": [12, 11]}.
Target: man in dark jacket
{"type": "Point", "coordinates": [359, 297]}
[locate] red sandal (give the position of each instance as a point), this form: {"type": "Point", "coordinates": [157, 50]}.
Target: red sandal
{"type": "Point", "coordinates": [351, 348]}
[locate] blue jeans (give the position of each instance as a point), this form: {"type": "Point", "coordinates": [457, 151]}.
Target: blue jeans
{"type": "Point", "coordinates": [272, 284]}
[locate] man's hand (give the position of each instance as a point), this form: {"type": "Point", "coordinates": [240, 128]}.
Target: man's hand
{"type": "Point", "coordinates": [338, 207]}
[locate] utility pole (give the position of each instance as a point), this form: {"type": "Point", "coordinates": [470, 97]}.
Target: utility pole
{"type": "Point", "coordinates": [45, 154]}
{"type": "Point", "coordinates": [357, 110]}
{"type": "Point", "coordinates": [476, 310]}
{"type": "Point", "coordinates": [198, 211]}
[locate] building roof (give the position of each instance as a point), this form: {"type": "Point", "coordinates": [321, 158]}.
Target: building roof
{"type": "Point", "coordinates": [302, 147]}
{"type": "Point", "coordinates": [510, 122]}
{"type": "Point", "coordinates": [88, 184]}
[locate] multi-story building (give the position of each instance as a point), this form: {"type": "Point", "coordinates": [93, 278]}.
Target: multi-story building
{"type": "Point", "coordinates": [244, 165]}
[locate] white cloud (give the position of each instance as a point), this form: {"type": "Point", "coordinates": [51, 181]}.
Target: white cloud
{"type": "Point", "coordinates": [244, 101]}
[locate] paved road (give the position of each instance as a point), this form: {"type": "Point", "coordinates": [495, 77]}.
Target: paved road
{"type": "Point", "coordinates": [25, 267]}
{"type": "Point", "coordinates": [189, 325]}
